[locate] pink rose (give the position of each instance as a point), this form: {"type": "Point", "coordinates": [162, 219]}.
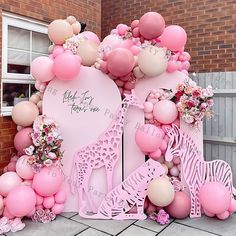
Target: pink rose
{"type": "Point", "coordinates": [162, 217]}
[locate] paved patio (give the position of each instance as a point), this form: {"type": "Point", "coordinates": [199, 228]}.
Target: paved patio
{"type": "Point", "coordinates": [72, 224]}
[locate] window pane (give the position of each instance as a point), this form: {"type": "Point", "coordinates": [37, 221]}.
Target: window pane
{"type": "Point", "coordinates": [18, 62]}
{"type": "Point", "coordinates": [33, 89]}
{"type": "Point", "coordinates": [18, 38]}
{"type": "Point", "coordinates": [40, 43]}
{"type": "Point", "coordinates": [14, 93]}
{"type": "Point", "coordinates": [34, 55]}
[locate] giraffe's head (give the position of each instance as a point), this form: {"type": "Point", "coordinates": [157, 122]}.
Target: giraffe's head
{"type": "Point", "coordinates": [154, 168]}
{"type": "Point", "coordinates": [134, 100]}
{"type": "Point", "coordinates": [173, 147]}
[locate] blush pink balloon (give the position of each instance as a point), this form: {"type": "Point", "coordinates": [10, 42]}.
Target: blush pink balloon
{"type": "Point", "coordinates": [7, 214]}
{"type": "Point", "coordinates": [120, 62]}
{"type": "Point", "coordinates": [135, 50]}
{"type": "Point", "coordinates": [57, 208]}
{"type": "Point", "coordinates": [122, 28]}
{"type": "Point", "coordinates": [11, 166]}
{"type": "Point", "coordinates": [174, 37]}
{"type": "Point", "coordinates": [223, 216]}
{"type": "Point", "coordinates": [39, 199]}
{"type": "Point", "coordinates": [111, 41]}
{"type": "Point", "coordinates": [91, 36]}
{"type": "Point", "coordinates": [60, 197]}
{"type": "Point", "coordinates": [41, 69]}
{"type": "Point", "coordinates": [22, 139]}
{"type": "Point", "coordinates": [172, 66]}
{"type": "Point", "coordinates": [57, 51]}
{"type": "Point", "coordinates": [114, 31]}
{"type": "Point", "coordinates": [21, 201]}
{"type": "Point", "coordinates": [149, 137]}
{"type": "Point", "coordinates": [136, 32]}
{"type": "Point", "coordinates": [165, 111]}
{"type": "Point", "coordinates": [185, 65]}
{"type": "Point", "coordinates": [66, 66]}
{"type": "Point", "coordinates": [214, 197]}
{"type": "Point", "coordinates": [151, 25]}
{"type": "Point", "coordinates": [48, 202]}
{"type": "Point", "coordinates": [23, 169]}
{"type": "Point", "coordinates": [48, 181]}
{"type": "Point", "coordinates": [180, 206]}
{"type": "Point", "coordinates": [134, 24]}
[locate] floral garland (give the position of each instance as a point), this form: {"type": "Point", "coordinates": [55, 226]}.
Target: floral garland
{"type": "Point", "coordinates": [43, 216]}
{"type": "Point", "coordinates": [47, 140]}
{"type": "Point", "coordinates": [194, 102]}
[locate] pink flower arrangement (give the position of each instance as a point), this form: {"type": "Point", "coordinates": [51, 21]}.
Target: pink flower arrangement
{"type": "Point", "coordinates": [161, 217]}
{"type": "Point", "coordinates": [194, 102]}
{"type": "Point", "coordinates": [43, 216]}
{"type": "Point", "coordinates": [47, 141]}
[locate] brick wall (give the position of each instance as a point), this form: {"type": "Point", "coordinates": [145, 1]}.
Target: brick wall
{"type": "Point", "coordinates": [210, 26]}
{"type": "Point", "coordinates": [45, 10]}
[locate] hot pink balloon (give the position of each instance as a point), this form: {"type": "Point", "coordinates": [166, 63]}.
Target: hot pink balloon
{"type": "Point", "coordinates": [91, 36]}
{"type": "Point", "coordinates": [22, 139]}
{"type": "Point", "coordinates": [48, 202]}
{"type": "Point", "coordinates": [21, 201]}
{"type": "Point", "coordinates": [7, 214]}
{"type": "Point", "coordinates": [60, 197]}
{"type": "Point", "coordinates": [48, 181]}
{"type": "Point", "coordinates": [215, 197]}
{"type": "Point", "coordinates": [66, 66]}
{"type": "Point", "coordinates": [174, 37]}
{"type": "Point", "coordinates": [151, 25]}
{"type": "Point", "coordinates": [149, 137]}
{"type": "Point", "coordinates": [23, 169]}
{"type": "Point", "coordinates": [41, 69]}
{"type": "Point", "coordinates": [57, 208]}
{"type": "Point", "coordinates": [120, 62]}
{"type": "Point", "coordinates": [39, 199]}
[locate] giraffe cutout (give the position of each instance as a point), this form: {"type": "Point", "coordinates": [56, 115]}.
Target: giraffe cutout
{"type": "Point", "coordinates": [104, 152]}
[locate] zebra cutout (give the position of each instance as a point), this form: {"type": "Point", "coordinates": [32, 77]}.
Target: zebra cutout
{"type": "Point", "coordinates": [194, 170]}
{"type": "Point", "coordinates": [131, 192]}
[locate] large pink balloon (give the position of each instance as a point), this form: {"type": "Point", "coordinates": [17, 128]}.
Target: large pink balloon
{"type": "Point", "coordinates": [41, 69]}
{"type": "Point", "coordinates": [180, 207]}
{"type": "Point", "coordinates": [111, 42]}
{"type": "Point", "coordinates": [151, 25]}
{"type": "Point", "coordinates": [23, 169]}
{"type": "Point", "coordinates": [9, 181]}
{"type": "Point", "coordinates": [22, 139]}
{"type": "Point", "coordinates": [66, 66]}
{"type": "Point", "coordinates": [91, 36]}
{"type": "Point", "coordinates": [48, 181]}
{"type": "Point", "coordinates": [120, 62]}
{"type": "Point", "coordinates": [165, 111]}
{"type": "Point", "coordinates": [21, 201]}
{"type": "Point", "coordinates": [174, 37]}
{"type": "Point", "coordinates": [149, 137]}
{"type": "Point", "coordinates": [215, 197]}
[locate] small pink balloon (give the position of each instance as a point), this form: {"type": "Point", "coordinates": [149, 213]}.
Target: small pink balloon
{"type": "Point", "coordinates": [39, 199]}
{"type": "Point", "coordinates": [39, 207]}
{"type": "Point", "coordinates": [185, 65]}
{"type": "Point", "coordinates": [186, 56]}
{"type": "Point", "coordinates": [163, 146]}
{"type": "Point", "coordinates": [209, 214]}
{"type": "Point", "coordinates": [57, 51]}
{"type": "Point", "coordinates": [23, 169]}
{"type": "Point", "coordinates": [176, 160]}
{"type": "Point", "coordinates": [66, 66]}
{"type": "Point", "coordinates": [91, 36]}
{"type": "Point", "coordinates": [215, 197]}
{"type": "Point", "coordinates": [151, 25]}
{"type": "Point", "coordinates": [136, 32]}
{"type": "Point", "coordinates": [120, 62]}
{"type": "Point", "coordinates": [174, 32]}
{"type": "Point", "coordinates": [149, 137]}
{"type": "Point", "coordinates": [223, 216]}
{"type": "Point", "coordinates": [60, 197]}
{"type": "Point", "coordinates": [11, 166]}
{"type": "Point", "coordinates": [134, 24]}
{"type": "Point", "coordinates": [57, 208]}
{"type": "Point", "coordinates": [174, 171]}
{"type": "Point", "coordinates": [21, 201]}
{"type": "Point", "coordinates": [7, 214]}
{"type": "Point", "coordinates": [172, 66]}
{"type": "Point", "coordinates": [151, 208]}
{"type": "Point", "coordinates": [31, 213]}
{"type": "Point", "coordinates": [48, 202]}
{"type": "Point", "coordinates": [41, 69]}
{"type": "Point", "coordinates": [135, 50]}
{"type": "Point", "coordinates": [114, 31]}
{"type": "Point", "coordinates": [22, 139]}
{"type": "Point", "coordinates": [119, 82]}
{"type": "Point", "coordinates": [165, 111]}
{"type": "Point", "coordinates": [129, 85]}
{"type": "Point", "coordinates": [122, 29]}
{"type": "Point", "coordinates": [155, 155]}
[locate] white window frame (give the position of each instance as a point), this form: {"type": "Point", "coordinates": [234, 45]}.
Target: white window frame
{"type": "Point", "coordinates": [23, 23]}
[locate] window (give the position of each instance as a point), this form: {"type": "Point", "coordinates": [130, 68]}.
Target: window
{"type": "Point", "coordinates": [22, 41]}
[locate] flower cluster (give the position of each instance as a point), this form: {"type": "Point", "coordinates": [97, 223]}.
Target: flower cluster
{"type": "Point", "coordinates": [43, 216]}
{"type": "Point", "coordinates": [194, 102]}
{"type": "Point", "coordinates": [161, 217]}
{"type": "Point", "coordinates": [47, 141]}
{"type": "Point", "coordinates": [73, 43]}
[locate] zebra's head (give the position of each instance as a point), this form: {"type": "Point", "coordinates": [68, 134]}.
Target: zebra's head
{"type": "Point", "coordinates": [155, 169]}
{"type": "Point", "coordinates": [173, 147]}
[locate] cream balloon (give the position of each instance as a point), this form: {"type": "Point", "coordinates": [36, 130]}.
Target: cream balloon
{"type": "Point", "coordinates": [35, 98]}
{"type": "Point", "coordinates": [76, 27]}
{"type": "Point", "coordinates": [88, 51]}
{"type": "Point", "coordinates": [152, 61]}
{"type": "Point", "coordinates": [161, 192]}
{"type": "Point", "coordinates": [71, 19]}
{"type": "Point", "coordinates": [24, 113]}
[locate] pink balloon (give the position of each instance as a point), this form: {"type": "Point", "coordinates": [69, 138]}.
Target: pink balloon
{"type": "Point", "coordinates": [215, 197]}
{"type": "Point", "coordinates": [135, 50]}
{"type": "Point", "coordinates": [66, 66]}
{"type": "Point", "coordinates": [23, 169]}
{"type": "Point", "coordinates": [151, 208]}
{"type": "Point", "coordinates": [209, 214]}
{"type": "Point", "coordinates": [180, 207]}
{"type": "Point", "coordinates": [39, 199]}
{"type": "Point", "coordinates": [57, 51]}
{"type": "Point", "coordinates": [48, 202]}
{"type": "Point", "coordinates": [11, 166]}
{"type": "Point", "coordinates": [136, 32]}
{"type": "Point", "coordinates": [48, 181]}
{"type": "Point", "coordinates": [32, 212]}
{"type": "Point", "coordinates": [223, 216]}
{"type": "Point", "coordinates": [111, 41]}
{"type": "Point", "coordinates": [155, 155]}
{"type": "Point", "coordinates": [185, 65]}
{"type": "Point", "coordinates": [165, 111]}
{"type": "Point", "coordinates": [172, 66]}
{"type": "Point", "coordinates": [186, 56]}
{"type": "Point", "coordinates": [22, 139]}
{"type": "Point", "coordinates": [60, 197]}
{"type": "Point", "coordinates": [122, 28]}
{"type": "Point", "coordinates": [134, 24]}
{"type": "Point", "coordinates": [174, 37]}
{"type": "Point", "coordinates": [57, 208]}
{"type": "Point", "coordinates": [21, 201]}
{"type": "Point", "coordinates": [9, 181]}
{"type": "Point", "coordinates": [120, 62]}
{"type": "Point", "coordinates": [91, 36]}
{"type": "Point", "coordinates": [149, 137]}
{"type": "Point", "coordinates": [7, 214]}
{"type": "Point", "coordinates": [114, 31]}
{"type": "Point", "coordinates": [41, 69]}
{"type": "Point", "coordinates": [151, 25]}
